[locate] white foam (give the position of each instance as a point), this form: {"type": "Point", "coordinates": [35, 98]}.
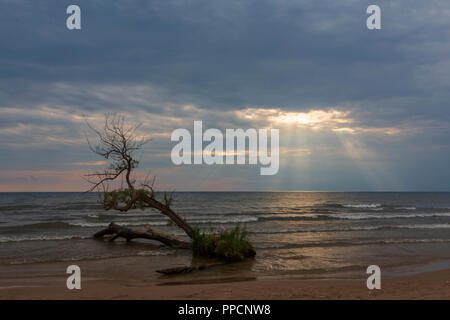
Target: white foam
{"type": "Point", "coordinates": [425, 226]}
{"type": "Point", "coordinates": [389, 241]}
{"type": "Point", "coordinates": [225, 220]}
{"type": "Point", "coordinates": [363, 205]}
{"type": "Point", "coordinates": [155, 253]}
{"type": "Point", "coordinates": [124, 215]}
{"type": "Point", "coordinates": [40, 238]}
{"type": "Point", "coordinates": [388, 216]}
{"type": "Point", "coordinates": [363, 228]}
{"type": "Point", "coordinates": [105, 224]}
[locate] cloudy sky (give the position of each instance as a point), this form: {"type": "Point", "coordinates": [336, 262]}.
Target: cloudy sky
{"type": "Point", "coordinates": [358, 110]}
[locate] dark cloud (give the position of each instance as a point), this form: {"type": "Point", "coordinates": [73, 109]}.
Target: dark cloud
{"type": "Point", "coordinates": [158, 56]}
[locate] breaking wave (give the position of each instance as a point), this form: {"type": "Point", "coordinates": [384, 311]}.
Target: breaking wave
{"type": "Point", "coordinates": [362, 205]}
{"type": "Point", "coordinates": [155, 253]}
{"type": "Point", "coordinates": [105, 224]}
{"type": "Point", "coordinates": [388, 216]}
{"type": "Point", "coordinates": [40, 238]}
{"type": "Point", "coordinates": [224, 220]}
{"type": "Point", "coordinates": [362, 228]}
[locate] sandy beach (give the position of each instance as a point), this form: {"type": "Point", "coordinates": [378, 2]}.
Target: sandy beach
{"type": "Point", "coordinates": [115, 283]}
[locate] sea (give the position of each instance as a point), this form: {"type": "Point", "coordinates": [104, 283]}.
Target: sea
{"type": "Point", "coordinates": [310, 234]}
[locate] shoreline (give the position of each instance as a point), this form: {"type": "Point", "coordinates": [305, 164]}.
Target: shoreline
{"type": "Point", "coordinates": [428, 282]}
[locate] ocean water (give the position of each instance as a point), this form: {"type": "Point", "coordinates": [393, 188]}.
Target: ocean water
{"type": "Point", "coordinates": [300, 233]}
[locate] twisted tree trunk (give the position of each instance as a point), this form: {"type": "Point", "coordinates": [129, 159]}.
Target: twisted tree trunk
{"type": "Point", "coordinates": [172, 215]}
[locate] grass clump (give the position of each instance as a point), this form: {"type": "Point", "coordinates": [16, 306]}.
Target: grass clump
{"type": "Point", "coordinates": [229, 245]}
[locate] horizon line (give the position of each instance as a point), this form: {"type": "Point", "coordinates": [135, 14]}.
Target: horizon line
{"type": "Point", "coordinates": [251, 191]}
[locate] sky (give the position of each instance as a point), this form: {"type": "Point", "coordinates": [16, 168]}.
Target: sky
{"type": "Point", "coordinates": [357, 109]}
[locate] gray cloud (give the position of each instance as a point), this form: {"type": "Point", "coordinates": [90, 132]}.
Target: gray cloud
{"type": "Point", "coordinates": [157, 57]}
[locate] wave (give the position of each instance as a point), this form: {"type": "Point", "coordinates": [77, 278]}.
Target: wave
{"type": "Point", "coordinates": [59, 225]}
{"type": "Point", "coordinates": [362, 205]}
{"type": "Point", "coordinates": [348, 243]}
{"type": "Point", "coordinates": [123, 215]}
{"type": "Point", "coordinates": [41, 225]}
{"type": "Point", "coordinates": [297, 217]}
{"type": "Point", "coordinates": [352, 216]}
{"type": "Point", "coordinates": [400, 241]}
{"type": "Point", "coordinates": [155, 253]}
{"type": "Point", "coordinates": [304, 230]}
{"type": "Point", "coordinates": [340, 243]}
{"type": "Point", "coordinates": [425, 226]}
{"type": "Point", "coordinates": [405, 208]}
{"type": "Point", "coordinates": [73, 224]}
{"type": "Point", "coordinates": [363, 228]}
{"type": "Point", "coordinates": [104, 224]}
{"type": "Point", "coordinates": [388, 216]}
{"type": "Point", "coordinates": [205, 220]}
{"type": "Point", "coordinates": [260, 231]}
{"type": "Point", "coordinates": [41, 238]}
{"type": "Point", "coordinates": [223, 220]}
{"type": "Point", "coordinates": [53, 259]}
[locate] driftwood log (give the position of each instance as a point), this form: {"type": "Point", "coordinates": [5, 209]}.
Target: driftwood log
{"type": "Point", "coordinates": [146, 232]}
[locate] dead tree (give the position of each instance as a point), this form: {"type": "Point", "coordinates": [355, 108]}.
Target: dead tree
{"type": "Point", "coordinates": [118, 144]}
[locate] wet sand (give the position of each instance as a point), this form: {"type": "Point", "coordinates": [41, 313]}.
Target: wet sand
{"type": "Point", "coordinates": [107, 279]}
